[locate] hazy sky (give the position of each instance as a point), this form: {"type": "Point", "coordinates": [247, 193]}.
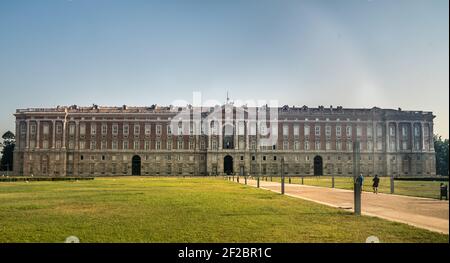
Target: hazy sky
{"type": "Point", "coordinates": [360, 53]}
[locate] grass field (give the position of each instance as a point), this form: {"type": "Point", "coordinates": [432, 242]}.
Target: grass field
{"type": "Point", "coordinates": [429, 189]}
{"type": "Point", "coordinates": [139, 209]}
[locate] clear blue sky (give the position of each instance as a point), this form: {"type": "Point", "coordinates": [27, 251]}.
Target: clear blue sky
{"type": "Point", "coordinates": [354, 53]}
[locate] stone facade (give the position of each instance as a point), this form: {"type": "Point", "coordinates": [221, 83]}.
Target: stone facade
{"type": "Point", "coordinates": [108, 141]}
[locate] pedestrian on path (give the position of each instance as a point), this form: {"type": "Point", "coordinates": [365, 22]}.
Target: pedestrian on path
{"type": "Point", "coordinates": [376, 181]}
{"type": "Point", "coordinates": [360, 181]}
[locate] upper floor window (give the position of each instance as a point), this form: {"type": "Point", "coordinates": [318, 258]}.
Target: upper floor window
{"type": "Point", "coordinates": [93, 129]}
{"type": "Point", "coordinates": [126, 129]}
{"type": "Point", "coordinates": [328, 130]}
{"type": "Point", "coordinates": [358, 131]}
{"type": "Point", "coordinates": [338, 131]}
{"type": "Point", "coordinates": [317, 130]}
{"type": "Point", "coordinates": [306, 130]}
{"type": "Point", "coordinates": [285, 130]}
{"type": "Point", "coordinates": [369, 131]}
{"type": "Point", "coordinates": [58, 128]}
{"type": "Point", "coordinates": [296, 130]}
{"type": "Point", "coordinates": [137, 129]}
{"type": "Point", "coordinates": [158, 129]}
{"type": "Point", "coordinates": [147, 129]}
{"type": "Point", "coordinates": [45, 128]}
{"type": "Point", "coordinates": [72, 129]}
{"type": "Point", "coordinates": [104, 129]}
{"type": "Point", "coordinates": [33, 128]}
{"type": "Point", "coordinates": [349, 131]}
{"type": "Point", "coordinates": [82, 128]}
{"type": "Point", "coordinates": [115, 129]}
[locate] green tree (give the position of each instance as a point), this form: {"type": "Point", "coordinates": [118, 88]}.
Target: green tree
{"type": "Point", "coordinates": [6, 162]}
{"type": "Point", "coordinates": [441, 149]}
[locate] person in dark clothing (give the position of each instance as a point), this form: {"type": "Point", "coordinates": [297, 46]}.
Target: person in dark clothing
{"type": "Point", "coordinates": [376, 181]}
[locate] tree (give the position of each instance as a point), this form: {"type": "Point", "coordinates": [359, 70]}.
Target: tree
{"type": "Point", "coordinates": [6, 162]}
{"type": "Point", "coordinates": [441, 149]}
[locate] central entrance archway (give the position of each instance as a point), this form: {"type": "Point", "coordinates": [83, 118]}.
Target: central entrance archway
{"type": "Point", "coordinates": [136, 165]}
{"type": "Point", "coordinates": [228, 165]}
{"type": "Point", "coordinates": [318, 165]}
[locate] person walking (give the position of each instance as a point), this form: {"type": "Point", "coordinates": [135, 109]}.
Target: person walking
{"type": "Point", "coordinates": [376, 181]}
{"type": "Point", "coordinates": [360, 181]}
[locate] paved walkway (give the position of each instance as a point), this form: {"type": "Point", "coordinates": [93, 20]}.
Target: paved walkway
{"type": "Point", "coordinates": [425, 213]}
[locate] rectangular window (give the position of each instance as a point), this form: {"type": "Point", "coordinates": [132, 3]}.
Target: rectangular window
{"type": "Point", "coordinates": [328, 130]}
{"type": "Point", "coordinates": [82, 129]}
{"type": "Point", "coordinates": [58, 128]}
{"type": "Point", "coordinates": [126, 129]}
{"type": "Point", "coordinates": [285, 145]}
{"type": "Point", "coordinates": [317, 145]}
{"type": "Point", "coordinates": [114, 145]}
{"type": "Point", "coordinates": [296, 145]}
{"type": "Point", "coordinates": [158, 129]}
{"type": "Point", "coordinates": [338, 131]}
{"type": "Point", "coordinates": [137, 129]}
{"type": "Point", "coordinates": [349, 131]}
{"type": "Point", "coordinates": [338, 146]}
{"type": "Point", "coordinates": [306, 145]}
{"type": "Point", "coordinates": [81, 145]}
{"type": "Point", "coordinates": [328, 145]}
{"type": "Point", "coordinates": [317, 130]}
{"type": "Point", "coordinates": [72, 129]}
{"type": "Point", "coordinates": [169, 145]}
{"type": "Point", "coordinates": [136, 145]}
{"type": "Point", "coordinates": [33, 128]}
{"type": "Point", "coordinates": [45, 144]}
{"type": "Point", "coordinates": [180, 145]}
{"type": "Point", "coordinates": [285, 130]}
{"type": "Point", "coordinates": [358, 131]}
{"type": "Point", "coordinates": [104, 129]}
{"type": "Point", "coordinates": [306, 130]}
{"type": "Point", "coordinates": [369, 131]}
{"type": "Point", "coordinates": [45, 129]}
{"type": "Point", "coordinates": [125, 145]}
{"type": "Point", "coordinates": [93, 128]}
{"type": "Point", "coordinates": [147, 129]}
{"type": "Point", "coordinates": [115, 129]}
{"type": "Point", "coordinates": [158, 145]}
{"type": "Point", "coordinates": [296, 130]}
{"type": "Point", "coordinates": [103, 145]}
{"type": "Point", "coordinates": [147, 145]}
{"type": "Point", "coordinates": [93, 146]}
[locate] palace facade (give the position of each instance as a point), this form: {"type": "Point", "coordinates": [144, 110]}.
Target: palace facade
{"type": "Point", "coordinates": [113, 141]}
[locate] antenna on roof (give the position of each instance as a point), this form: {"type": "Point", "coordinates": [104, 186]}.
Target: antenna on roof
{"type": "Point", "coordinates": [228, 98]}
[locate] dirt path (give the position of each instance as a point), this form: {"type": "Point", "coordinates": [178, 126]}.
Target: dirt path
{"type": "Point", "coordinates": [425, 213]}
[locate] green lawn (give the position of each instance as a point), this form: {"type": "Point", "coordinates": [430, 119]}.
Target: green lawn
{"type": "Point", "coordinates": [139, 209]}
{"type": "Point", "coordinates": [428, 189]}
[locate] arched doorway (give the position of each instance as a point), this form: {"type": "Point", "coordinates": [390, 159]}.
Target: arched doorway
{"type": "Point", "coordinates": [228, 165]}
{"type": "Point", "coordinates": [318, 165]}
{"type": "Point", "coordinates": [136, 165]}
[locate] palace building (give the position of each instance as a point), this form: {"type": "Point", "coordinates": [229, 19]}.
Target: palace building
{"type": "Point", "coordinates": [225, 139]}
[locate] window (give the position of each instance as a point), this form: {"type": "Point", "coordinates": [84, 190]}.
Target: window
{"type": "Point", "coordinates": [114, 145]}
{"type": "Point", "coordinates": [23, 128]}
{"type": "Point", "coordinates": [214, 145]}
{"type": "Point", "coordinates": [169, 145]}
{"type": "Point", "coordinates": [306, 130]}
{"type": "Point", "coordinates": [93, 146]}
{"type": "Point", "coordinates": [33, 128]}
{"type": "Point", "coordinates": [158, 145]}
{"type": "Point", "coordinates": [285, 130]}
{"type": "Point", "coordinates": [115, 129]}
{"type": "Point", "coordinates": [147, 145]}
{"type": "Point", "coordinates": [104, 129]}
{"type": "Point", "coordinates": [358, 131]}
{"type": "Point", "coordinates": [58, 128]}
{"type": "Point", "coordinates": [126, 129]}
{"type": "Point", "coordinates": [241, 128]}
{"type": "Point", "coordinates": [296, 145]}
{"type": "Point", "coordinates": [404, 130]}
{"type": "Point", "coordinates": [306, 145]}
{"type": "Point", "coordinates": [338, 146]}
{"type": "Point", "coordinates": [72, 129]}
{"type": "Point", "coordinates": [45, 144]}
{"type": "Point", "coordinates": [328, 130]}
{"type": "Point", "coordinates": [125, 145]}
{"type": "Point", "coordinates": [82, 128]}
{"type": "Point", "coordinates": [81, 145]}
{"type": "Point", "coordinates": [93, 129]}
{"type": "Point", "coordinates": [136, 145]}
{"type": "Point", "coordinates": [180, 145]}
{"type": "Point", "coordinates": [328, 145]}
{"type": "Point", "coordinates": [45, 129]}
{"type": "Point", "coordinates": [296, 130]}
{"type": "Point", "coordinates": [391, 130]}
{"type": "Point", "coordinates": [103, 145]}
{"type": "Point", "coordinates": [285, 145]}
{"type": "Point", "coordinates": [369, 131]}
{"type": "Point", "coordinates": [379, 130]}
{"type": "Point", "coordinates": [158, 129]}
{"type": "Point", "coordinates": [338, 131]}
{"type": "Point", "coordinates": [349, 131]}
{"type": "Point", "coordinates": [369, 145]}
{"type": "Point", "coordinates": [317, 145]}
{"type": "Point", "coordinates": [147, 129]}
{"type": "Point", "coordinates": [191, 145]}
{"type": "Point", "coordinates": [317, 130]}
{"type": "Point", "coordinates": [349, 146]}
{"type": "Point", "coordinates": [137, 129]}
